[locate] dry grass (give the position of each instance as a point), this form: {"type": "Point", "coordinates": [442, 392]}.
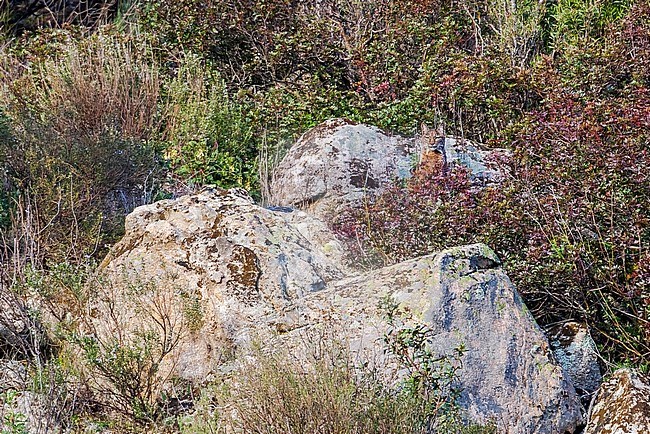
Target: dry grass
{"type": "Point", "coordinates": [324, 389]}
{"type": "Point", "coordinates": [105, 84]}
{"type": "Point", "coordinates": [277, 394]}
{"type": "Point", "coordinates": [81, 117]}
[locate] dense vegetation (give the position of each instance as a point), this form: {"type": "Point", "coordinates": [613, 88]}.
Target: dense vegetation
{"type": "Point", "coordinates": [106, 105]}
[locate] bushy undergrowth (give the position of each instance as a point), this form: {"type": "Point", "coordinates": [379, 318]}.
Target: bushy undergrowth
{"type": "Point", "coordinates": [571, 221]}
{"type": "Point", "coordinates": [208, 137]}
{"type": "Point", "coordinates": [90, 379]}
{"type": "Point", "coordinates": [80, 155]}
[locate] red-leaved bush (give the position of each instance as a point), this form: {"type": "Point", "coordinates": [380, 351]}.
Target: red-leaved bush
{"type": "Point", "coordinates": [572, 224]}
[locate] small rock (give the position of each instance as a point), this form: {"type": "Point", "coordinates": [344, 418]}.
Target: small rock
{"type": "Point", "coordinates": [576, 352]}
{"type": "Point", "coordinates": [483, 165]}
{"type": "Point", "coordinates": [621, 406]}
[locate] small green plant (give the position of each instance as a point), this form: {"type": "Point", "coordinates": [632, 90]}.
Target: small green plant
{"type": "Point", "coordinates": [430, 381]}
{"type": "Point", "coordinates": [13, 422]}
{"type": "Point", "coordinates": [208, 136]}
{"type": "Point", "coordinates": [571, 22]}
{"type": "Point", "coordinates": [130, 370]}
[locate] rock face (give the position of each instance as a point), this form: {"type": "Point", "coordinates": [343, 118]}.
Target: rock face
{"type": "Point", "coordinates": [211, 263]}
{"type": "Point", "coordinates": [622, 405]}
{"type": "Point", "coordinates": [338, 162]}
{"type": "Point", "coordinates": [464, 298]}
{"type": "Point", "coordinates": [576, 352]}
{"type": "Point", "coordinates": [222, 271]}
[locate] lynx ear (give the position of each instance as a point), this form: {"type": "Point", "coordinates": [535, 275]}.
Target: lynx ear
{"type": "Point", "coordinates": [425, 131]}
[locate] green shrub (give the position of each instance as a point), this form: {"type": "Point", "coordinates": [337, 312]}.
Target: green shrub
{"type": "Point", "coordinates": [570, 22]}
{"type": "Point", "coordinates": [13, 421]}
{"type": "Point", "coordinates": [337, 43]}
{"type": "Point", "coordinates": [7, 193]}
{"type": "Point", "coordinates": [208, 136]}
{"type": "Point", "coordinates": [24, 15]}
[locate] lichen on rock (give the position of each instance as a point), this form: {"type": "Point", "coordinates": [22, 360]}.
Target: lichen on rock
{"type": "Point", "coordinates": [621, 406]}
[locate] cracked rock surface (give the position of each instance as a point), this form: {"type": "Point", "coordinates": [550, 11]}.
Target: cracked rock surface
{"type": "Point", "coordinates": [217, 262]}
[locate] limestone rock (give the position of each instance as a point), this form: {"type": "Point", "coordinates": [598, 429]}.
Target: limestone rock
{"type": "Point", "coordinates": [462, 297]}
{"type": "Point", "coordinates": [211, 264]}
{"type": "Point", "coordinates": [576, 352]}
{"type": "Point", "coordinates": [212, 272]}
{"type": "Point", "coordinates": [338, 162]}
{"type": "Point", "coordinates": [622, 405]}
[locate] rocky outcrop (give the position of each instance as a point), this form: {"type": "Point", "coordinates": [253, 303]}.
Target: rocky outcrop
{"type": "Point", "coordinates": [211, 263]}
{"type": "Point", "coordinates": [622, 405]}
{"type": "Point", "coordinates": [220, 272]}
{"type": "Point", "coordinates": [338, 162]}
{"type": "Point", "coordinates": [464, 299]}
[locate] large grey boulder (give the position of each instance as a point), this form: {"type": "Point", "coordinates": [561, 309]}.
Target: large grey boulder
{"type": "Point", "coordinates": [621, 406]}
{"type": "Point", "coordinates": [210, 264]}
{"type": "Point", "coordinates": [338, 162]}
{"type": "Point", "coordinates": [464, 299]}
{"type": "Point", "coordinates": [220, 273]}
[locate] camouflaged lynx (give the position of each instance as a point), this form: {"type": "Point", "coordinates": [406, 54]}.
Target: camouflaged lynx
{"type": "Point", "coordinates": [432, 155]}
